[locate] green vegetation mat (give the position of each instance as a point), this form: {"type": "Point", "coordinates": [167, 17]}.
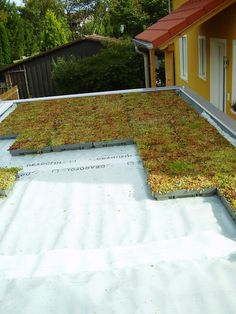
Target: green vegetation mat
{"type": "Point", "coordinates": [7, 178]}
{"type": "Point", "coordinates": [180, 150]}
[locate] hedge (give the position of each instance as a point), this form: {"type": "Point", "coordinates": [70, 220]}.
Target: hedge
{"type": "Point", "coordinates": [116, 66]}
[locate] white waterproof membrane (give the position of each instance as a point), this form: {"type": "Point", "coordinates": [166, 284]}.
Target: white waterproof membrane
{"type": "Point", "coordinates": [6, 108]}
{"type": "Point", "coordinates": [80, 233]}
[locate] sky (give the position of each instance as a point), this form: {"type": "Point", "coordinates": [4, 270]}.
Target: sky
{"type": "Point", "coordinates": [17, 2]}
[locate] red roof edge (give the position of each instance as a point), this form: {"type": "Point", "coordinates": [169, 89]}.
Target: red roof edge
{"type": "Point", "coordinates": [167, 28]}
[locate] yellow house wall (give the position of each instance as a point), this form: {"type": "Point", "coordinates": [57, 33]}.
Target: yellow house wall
{"type": "Point", "coordinates": [223, 26]}
{"type": "Point", "coordinates": [177, 3]}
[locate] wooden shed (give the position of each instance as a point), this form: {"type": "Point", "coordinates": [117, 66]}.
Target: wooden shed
{"type": "Point", "coordinates": [33, 75]}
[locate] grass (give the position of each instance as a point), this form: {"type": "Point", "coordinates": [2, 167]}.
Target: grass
{"type": "Point", "coordinates": [179, 149]}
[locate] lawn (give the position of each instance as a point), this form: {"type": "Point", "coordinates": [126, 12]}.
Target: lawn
{"type": "Point", "coordinates": [180, 150]}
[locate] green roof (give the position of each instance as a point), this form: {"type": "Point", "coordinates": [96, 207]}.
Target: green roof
{"type": "Point", "coordinates": [180, 150]}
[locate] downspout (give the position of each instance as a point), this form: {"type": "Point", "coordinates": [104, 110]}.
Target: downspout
{"type": "Point", "coordinates": [146, 64]}
{"type": "Point", "coordinates": [170, 5]}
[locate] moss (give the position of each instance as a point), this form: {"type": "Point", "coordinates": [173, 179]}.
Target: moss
{"type": "Point", "coordinates": [179, 149]}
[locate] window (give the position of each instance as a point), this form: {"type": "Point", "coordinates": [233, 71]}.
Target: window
{"type": "Point", "coordinates": [202, 57]}
{"type": "Point", "coordinates": [183, 58]}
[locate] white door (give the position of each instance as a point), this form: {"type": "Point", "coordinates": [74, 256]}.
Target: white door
{"type": "Point", "coordinates": [218, 72]}
{"type": "Point", "coordinates": [234, 73]}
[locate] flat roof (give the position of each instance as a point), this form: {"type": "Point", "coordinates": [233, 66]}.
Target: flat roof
{"type": "Point", "coordinates": [80, 233]}
{"type": "Point", "coordinates": [88, 122]}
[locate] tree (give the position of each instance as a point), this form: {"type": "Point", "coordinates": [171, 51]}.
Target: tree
{"type": "Point", "coordinates": [98, 21]}
{"type": "Point", "coordinates": [23, 29]}
{"type": "Point", "coordinates": [5, 53]}
{"type": "Point", "coordinates": [5, 7]}
{"type": "Point", "coordinates": [32, 46]}
{"type": "Point", "coordinates": [112, 17]}
{"type": "Point", "coordinates": [3, 16]}
{"type": "Point", "coordinates": [6, 10]}
{"type": "Point", "coordinates": [101, 17]}
{"type": "Point", "coordinates": [16, 33]}
{"type": "Point", "coordinates": [54, 31]}
{"type": "Point", "coordinates": [39, 8]}
{"type": "Point", "coordinates": [77, 13]}
{"type": "Point", "coordinates": [154, 10]}
{"type": "Point", "coordinates": [34, 12]}
{"type": "Point", "coordinates": [72, 6]}
{"type": "Point", "coordinates": [128, 14]}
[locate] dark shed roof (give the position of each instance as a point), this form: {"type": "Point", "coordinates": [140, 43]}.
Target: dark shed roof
{"type": "Point", "coordinates": [92, 38]}
{"type": "Point", "coordinates": [33, 75]}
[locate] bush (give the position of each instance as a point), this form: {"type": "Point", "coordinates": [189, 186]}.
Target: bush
{"type": "Point", "coordinates": [116, 66]}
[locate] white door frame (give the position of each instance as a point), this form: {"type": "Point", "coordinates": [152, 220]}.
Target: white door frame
{"type": "Point", "coordinates": [214, 76]}
{"type": "Point", "coordinates": [233, 72]}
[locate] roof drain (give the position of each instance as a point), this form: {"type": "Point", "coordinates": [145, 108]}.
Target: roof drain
{"type": "Point", "coordinates": [146, 64]}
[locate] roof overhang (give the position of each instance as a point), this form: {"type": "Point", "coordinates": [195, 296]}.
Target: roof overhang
{"type": "Point", "coordinates": [142, 43]}
{"type": "Point", "coordinates": [191, 13]}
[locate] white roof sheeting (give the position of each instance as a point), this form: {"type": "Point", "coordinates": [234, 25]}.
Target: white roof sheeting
{"type": "Point", "coordinates": [81, 234]}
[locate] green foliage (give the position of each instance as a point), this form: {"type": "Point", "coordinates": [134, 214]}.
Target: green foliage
{"type": "Point", "coordinates": [17, 36]}
{"type": "Point", "coordinates": [115, 18]}
{"type": "Point", "coordinates": [13, 24]}
{"type": "Point", "coordinates": [5, 52]}
{"type": "Point", "coordinates": [128, 13]}
{"type": "Point", "coordinates": [128, 17]}
{"type": "Point", "coordinates": [32, 46]}
{"type": "Point", "coordinates": [54, 32]}
{"type": "Point", "coordinates": [154, 9]}
{"type": "Point", "coordinates": [35, 10]}
{"type": "Point", "coordinates": [117, 66]}
{"type": "Point", "coordinates": [38, 25]}
{"type": "Point", "coordinates": [16, 29]}
{"type": "Point", "coordinates": [50, 28]}
{"type": "Point", "coordinates": [31, 29]}
{"type": "Point", "coordinates": [85, 6]}
{"type": "Point", "coordinates": [3, 16]}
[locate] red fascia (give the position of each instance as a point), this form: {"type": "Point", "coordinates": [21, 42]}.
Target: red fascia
{"type": "Point", "coordinates": [156, 37]}
{"type": "Point", "coordinates": [177, 21]}
{"type": "Point", "coordinates": [211, 5]}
